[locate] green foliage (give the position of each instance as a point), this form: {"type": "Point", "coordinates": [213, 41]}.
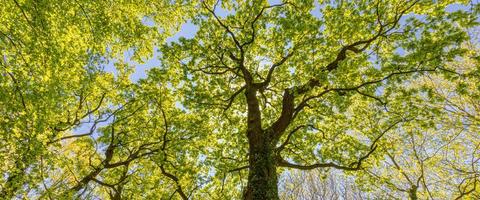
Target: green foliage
{"type": "Point", "coordinates": [316, 84]}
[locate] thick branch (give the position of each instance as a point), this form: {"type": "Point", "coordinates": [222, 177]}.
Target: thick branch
{"type": "Point", "coordinates": [304, 102]}
{"type": "Point", "coordinates": [352, 167]}
{"type": "Point", "coordinates": [288, 108]}
{"type": "Point", "coordinates": [357, 47]}
{"type": "Point", "coordinates": [357, 165]}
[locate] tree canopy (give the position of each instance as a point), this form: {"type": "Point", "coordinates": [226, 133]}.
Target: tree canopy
{"type": "Point", "coordinates": [386, 92]}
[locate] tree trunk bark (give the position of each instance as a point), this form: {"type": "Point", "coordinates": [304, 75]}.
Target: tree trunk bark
{"type": "Point", "coordinates": [412, 193]}
{"type": "Point", "coordinates": [262, 177]}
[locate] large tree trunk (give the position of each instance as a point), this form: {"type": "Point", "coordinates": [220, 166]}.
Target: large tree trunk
{"type": "Point", "coordinates": [412, 193]}
{"type": "Point", "coordinates": [262, 177]}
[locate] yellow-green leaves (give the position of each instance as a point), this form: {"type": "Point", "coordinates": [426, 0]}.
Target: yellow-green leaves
{"type": "Point", "coordinates": [53, 85]}
{"type": "Point", "coordinates": [350, 84]}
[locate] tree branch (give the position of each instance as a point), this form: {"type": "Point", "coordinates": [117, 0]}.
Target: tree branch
{"type": "Point", "coordinates": [351, 167]}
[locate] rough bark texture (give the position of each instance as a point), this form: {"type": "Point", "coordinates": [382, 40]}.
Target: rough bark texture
{"type": "Point", "coordinates": [262, 178]}
{"type": "Point", "coordinates": [412, 193]}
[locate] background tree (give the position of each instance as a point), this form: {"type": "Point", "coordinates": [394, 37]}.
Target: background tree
{"type": "Point", "coordinates": [318, 184]}
{"type": "Point", "coordinates": [437, 156]}
{"type": "Point", "coordinates": [144, 151]}
{"type": "Point", "coordinates": [52, 75]}
{"type": "Point", "coordinates": [420, 161]}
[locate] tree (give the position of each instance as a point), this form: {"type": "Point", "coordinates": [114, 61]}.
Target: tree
{"type": "Point", "coordinates": [261, 87]}
{"type": "Point", "coordinates": [423, 164]}
{"type": "Point", "coordinates": [436, 157]}
{"type": "Point", "coordinates": [52, 78]}
{"type": "Point", "coordinates": [318, 184]}
{"type": "Point", "coordinates": [305, 90]}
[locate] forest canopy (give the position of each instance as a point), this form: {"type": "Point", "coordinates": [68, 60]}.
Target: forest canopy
{"type": "Point", "coordinates": [219, 99]}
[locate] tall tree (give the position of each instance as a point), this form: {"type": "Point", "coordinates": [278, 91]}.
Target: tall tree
{"type": "Point", "coordinates": [306, 85]}
{"type": "Point", "coordinates": [261, 87]}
